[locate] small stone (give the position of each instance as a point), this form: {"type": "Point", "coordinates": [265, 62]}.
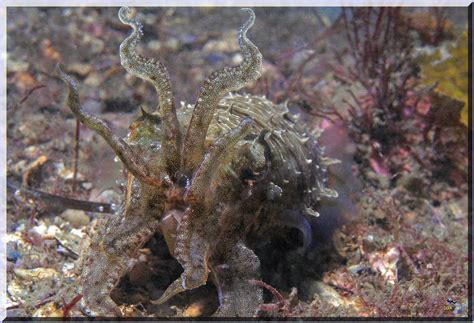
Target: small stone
{"type": "Point", "coordinates": [17, 66]}
{"type": "Point", "coordinates": [172, 44]}
{"type": "Point", "coordinates": [78, 233]}
{"type": "Point", "coordinates": [357, 269]}
{"type": "Point", "coordinates": [299, 58]}
{"type": "Point", "coordinates": [94, 79]}
{"type": "Point", "coordinates": [76, 218]}
{"type": "Point", "coordinates": [195, 309]}
{"type": "Point", "coordinates": [328, 294]}
{"type": "Point", "coordinates": [409, 217]}
{"type": "Point", "coordinates": [87, 185]}
{"type": "Point", "coordinates": [155, 45]}
{"type": "Point", "coordinates": [19, 167]}
{"type": "Point", "coordinates": [36, 273]}
{"type": "Point", "coordinates": [79, 68]}
{"type": "Point", "coordinates": [49, 310]}
{"type": "Point", "coordinates": [457, 209]}
{"type": "Point", "coordinates": [226, 44]}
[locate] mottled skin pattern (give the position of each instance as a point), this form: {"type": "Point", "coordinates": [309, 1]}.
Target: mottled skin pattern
{"type": "Point", "coordinates": [213, 179]}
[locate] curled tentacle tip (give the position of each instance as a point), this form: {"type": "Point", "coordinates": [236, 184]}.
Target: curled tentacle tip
{"type": "Point", "coordinates": [249, 23]}
{"type": "Point", "coordinates": [125, 14]}
{"type": "Point", "coordinates": [246, 26]}
{"type": "Point", "coordinates": [250, 11]}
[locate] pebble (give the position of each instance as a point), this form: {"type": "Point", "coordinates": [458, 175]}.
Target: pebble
{"type": "Point", "coordinates": [79, 68]}
{"type": "Point", "coordinates": [17, 66]}
{"type": "Point", "coordinates": [409, 217]}
{"type": "Point", "coordinates": [94, 79]}
{"type": "Point", "coordinates": [155, 45]}
{"type": "Point", "coordinates": [299, 58]}
{"type": "Point", "coordinates": [357, 269]}
{"type": "Point", "coordinates": [227, 44]}
{"type": "Point", "coordinates": [195, 309]}
{"type": "Point", "coordinates": [35, 273]}
{"type": "Point", "coordinates": [87, 185]}
{"type": "Point", "coordinates": [76, 218]}
{"type": "Point", "coordinates": [19, 168]}
{"type": "Point", "coordinates": [172, 44]}
{"type": "Point", "coordinates": [457, 209]}
{"type": "Point", "coordinates": [49, 310]}
{"type": "Point", "coordinates": [326, 293]}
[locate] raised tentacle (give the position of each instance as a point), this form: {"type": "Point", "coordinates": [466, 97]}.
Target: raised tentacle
{"type": "Point", "coordinates": [215, 87]}
{"type": "Point", "coordinates": [203, 176]}
{"type": "Point", "coordinates": [130, 159]}
{"type": "Point", "coordinates": [153, 71]}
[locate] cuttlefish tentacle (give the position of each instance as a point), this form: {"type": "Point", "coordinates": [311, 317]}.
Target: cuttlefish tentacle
{"type": "Point", "coordinates": [153, 71]}
{"type": "Point", "coordinates": [132, 161]}
{"type": "Point", "coordinates": [212, 160]}
{"type": "Point", "coordinates": [107, 260]}
{"type": "Point", "coordinates": [215, 87]}
{"type": "Point", "coordinates": [192, 252]}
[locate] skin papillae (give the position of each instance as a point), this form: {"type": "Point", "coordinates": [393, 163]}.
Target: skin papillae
{"type": "Point", "coordinates": [242, 168]}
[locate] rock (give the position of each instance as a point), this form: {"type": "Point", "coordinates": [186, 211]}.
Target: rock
{"type": "Point", "coordinates": [17, 66]}
{"type": "Point", "coordinates": [36, 273]}
{"type": "Point", "coordinates": [49, 310]}
{"type": "Point", "coordinates": [327, 293]}
{"type": "Point", "coordinates": [18, 168]}
{"type": "Point", "coordinates": [172, 44]}
{"type": "Point", "coordinates": [76, 218]}
{"type": "Point", "coordinates": [357, 269]}
{"type": "Point", "coordinates": [96, 45]}
{"type": "Point", "coordinates": [94, 79]}
{"type": "Point", "coordinates": [155, 45]}
{"type": "Point", "coordinates": [385, 263]}
{"type": "Point", "coordinates": [79, 68]}
{"type": "Point", "coordinates": [88, 186]}
{"type": "Point", "coordinates": [194, 310]}
{"type": "Point", "coordinates": [409, 217]}
{"type": "Point", "coordinates": [226, 44]}
{"type": "Point", "coordinates": [457, 209]}
{"type": "Point", "coordinates": [300, 58]}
